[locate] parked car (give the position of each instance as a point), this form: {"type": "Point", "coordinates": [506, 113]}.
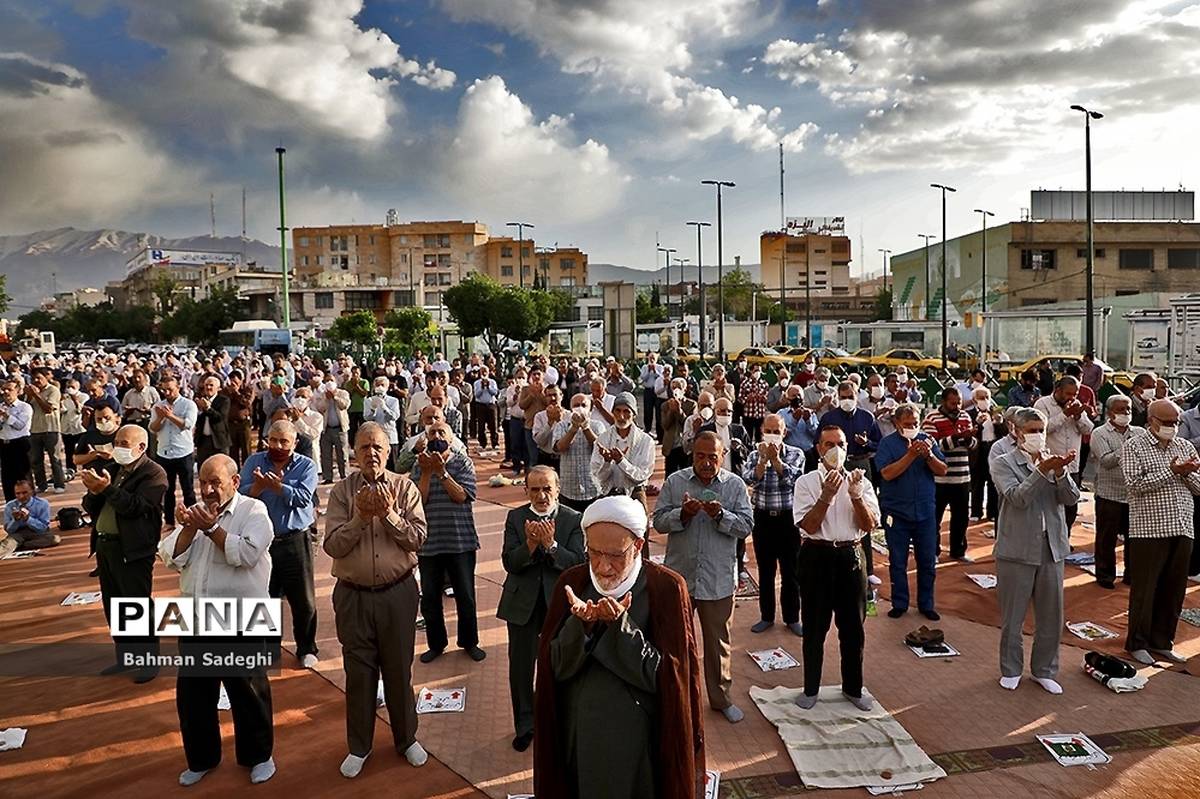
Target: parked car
{"type": "Point", "coordinates": [1058, 364]}
{"type": "Point", "coordinates": [829, 357]}
{"type": "Point", "coordinates": [917, 362]}
{"type": "Point", "coordinates": [763, 356]}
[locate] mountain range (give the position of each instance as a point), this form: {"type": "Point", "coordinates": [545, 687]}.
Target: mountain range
{"type": "Point", "coordinates": [37, 264]}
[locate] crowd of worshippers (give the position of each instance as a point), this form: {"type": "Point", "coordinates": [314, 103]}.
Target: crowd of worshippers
{"type": "Point", "coordinates": [805, 466]}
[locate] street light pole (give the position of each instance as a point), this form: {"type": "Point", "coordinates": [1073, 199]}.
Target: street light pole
{"type": "Point", "coordinates": [287, 311]}
{"type": "Point", "coordinates": [667, 279]}
{"type": "Point", "coordinates": [680, 262]}
{"type": "Point", "coordinates": [983, 260]}
{"type": "Point", "coordinates": [886, 253]}
{"type": "Point", "coordinates": [1089, 346]}
{"type": "Point", "coordinates": [927, 237]}
{"type": "Point", "coordinates": [945, 320]}
{"type": "Point", "coordinates": [720, 267]}
{"type": "Point", "coordinates": [700, 271]}
{"type": "Point", "coordinates": [520, 226]}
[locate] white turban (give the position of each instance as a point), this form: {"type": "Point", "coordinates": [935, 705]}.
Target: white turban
{"type": "Point", "coordinates": [622, 510]}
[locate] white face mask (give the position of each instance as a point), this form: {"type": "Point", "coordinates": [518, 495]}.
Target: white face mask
{"type": "Point", "coordinates": [847, 405]}
{"type": "Point", "coordinates": [106, 427]}
{"type": "Point", "coordinates": [808, 367]}
{"type": "Point", "coordinates": [876, 392]}
{"type": "Point", "coordinates": [983, 404]}
{"type": "Point", "coordinates": [834, 458]}
{"type": "Point", "coordinates": [706, 413]}
{"type": "Point", "coordinates": [380, 390]}
{"type": "Point", "coordinates": [723, 420]}
{"type": "Point", "coordinates": [580, 412]}
{"type": "Point", "coordinates": [822, 384]}
{"type": "Point", "coordinates": [123, 455]}
{"type": "Point", "coordinates": [300, 404]}
{"type": "Point", "coordinates": [1122, 419]}
{"type": "Point", "coordinates": [909, 432]}
{"type": "Point", "coordinates": [677, 393]}
{"type": "Point", "coordinates": [1034, 443]}
{"type": "Point", "coordinates": [773, 438]}
{"type": "Point", "coordinates": [1167, 432]}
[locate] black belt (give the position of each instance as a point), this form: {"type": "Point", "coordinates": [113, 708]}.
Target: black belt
{"type": "Point", "coordinates": [108, 537]}
{"type": "Point", "coordinates": [774, 513]}
{"type": "Point", "coordinates": [821, 542]}
{"type": "Point", "coordinates": [290, 533]}
{"type": "Point", "coordinates": [375, 589]}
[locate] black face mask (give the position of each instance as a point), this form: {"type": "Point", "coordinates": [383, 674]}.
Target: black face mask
{"type": "Point", "coordinates": [796, 402]}
{"type": "Point", "coordinates": [438, 445]}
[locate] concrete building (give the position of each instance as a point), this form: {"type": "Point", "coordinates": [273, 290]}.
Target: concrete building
{"type": "Point", "coordinates": [1037, 261]}
{"type": "Point", "coordinates": [64, 301]}
{"type": "Point", "coordinates": [148, 271]}
{"type": "Point", "coordinates": [788, 260]}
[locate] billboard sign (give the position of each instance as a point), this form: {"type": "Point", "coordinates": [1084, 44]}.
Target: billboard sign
{"type": "Point", "coordinates": [1150, 338]}
{"type": "Point", "coordinates": [163, 257]}
{"type": "Point", "coordinates": [827, 225]}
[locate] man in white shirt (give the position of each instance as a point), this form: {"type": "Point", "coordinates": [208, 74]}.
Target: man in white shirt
{"type": "Point", "coordinates": [222, 549]}
{"type": "Point", "coordinates": [384, 410]}
{"type": "Point", "coordinates": [1067, 423]}
{"type": "Point", "coordinates": [544, 423]}
{"type": "Point", "coordinates": [623, 457]}
{"type": "Point", "coordinates": [601, 401]}
{"type": "Point", "coordinates": [173, 422]}
{"type": "Point", "coordinates": [833, 509]}
{"type": "Point", "coordinates": [15, 418]}
{"type": "Point", "coordinates": [648, 379]}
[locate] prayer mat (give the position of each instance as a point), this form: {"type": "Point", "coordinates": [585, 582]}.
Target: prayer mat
{"type": "Point", "coordinates": [836, 745]}
{"type": "Point", "coordinates": [749, 590]}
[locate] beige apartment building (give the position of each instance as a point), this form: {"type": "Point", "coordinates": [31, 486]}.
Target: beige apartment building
{"type": "Point", "coordinates": [791, 259]}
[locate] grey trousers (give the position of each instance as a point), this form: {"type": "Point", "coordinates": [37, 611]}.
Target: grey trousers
{"type": "Point", "coordinates": [1016, 585]}
{"type": "Point", "coordinates": [42, 446]}
{"type": "Point", "coordinates": [333, 440]}
{"type": "Point", "coordinates": [716, 622]}
{"type": "Point", "coordinates": [377, 631]}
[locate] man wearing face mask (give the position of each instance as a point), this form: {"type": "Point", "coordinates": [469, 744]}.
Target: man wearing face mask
{"type": "Point", "coordinates": [735, 444]}
{"type": "Point", "coordinates": [862, 435]}
{"type": "Point", "coordinates": [819, 396]}
{"type": "Point", "coordinates": [1162, 473]}
{"type": "Point", "coordinates": [309, 424]}
{"type": "Point", "coordinates": [333, 404]}
{"type": "Point", "coordinates": [285, 482]}
{"type": "Point", "coordinates": [705, 511]}
{"type": "Point", "coordinates": [834, 510]}
{"type": "Point", "coordinates": [966, 389]}
{"type": "Point", "coordinates": [954, 433]}
{"type": "Point", "coordinates": [1189, 428]}
{"type": "Point", "coordinates": [241, 405]}
{"type": "Point", "coordinates": [485, 399]}
{"type": "Point", "coordinates": [1032, 540]}
{"type": "Point", "coordinates": [212, 421]}
{"type": "Point", "coordinates": [908, 461]}
{"type": "Point", "coordinates": [676, 411]}
{"type": "Point", "coordinates": [700, 417]}
{"type": "Point", "coordinates": [601, 402]}
{"type": "Point", "coordinates": [542, 539]}
{"type": "Point", "coordinates": [1141, 394]}
{"type": "Point", "coordinates": [1112, 497]}
{"type": "Point", "coordinates": [752, 395]}
{"type": "Point", "coordinates": [770, 472]}
{"type": "Point", "coordinates": [276, 398]}
{"type": "Point", "coordinates": [125, 501]}
{"type": "Point", "coordinates": [801, 426]}
{"type": "Point", "coordinates": [384, 411]}
{"type": "Point", "coordinates": [777, 399]}
{"type": "Point", "coordinates": [990, 424]}
{"type": "Point", "coordinates": [623, 458]}
{"type": "Point", "coordinates": [618, 653]}
{"type": "Point", "coordinates": [648, 378]}
{"type": "Point", "coordinates": [1067, 423]}
{"type": "Point", "coordinates": [15, 418]}
{"type": "Point", "coordinates": [662, 394]}
{"type": "Point", "coordinates": [446, 481]}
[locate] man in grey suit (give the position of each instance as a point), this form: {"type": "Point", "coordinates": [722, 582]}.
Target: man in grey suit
{"type": "Point", "coordinates": [541, 540]}
{"type": "Point", "coordinates": [1032, 539]}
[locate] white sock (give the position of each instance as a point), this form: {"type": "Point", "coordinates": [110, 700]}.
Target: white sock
{"type": "Point", "coordinates": [189, 777]}
{"type": "Point", "coordinates": [1010, 683]}
{"type": "Point", "coordinates": [1050, 685]}
{"type": "Point", "coordinates": [352, 766]}
{"type": "Point", "coordinates": [416, 754]}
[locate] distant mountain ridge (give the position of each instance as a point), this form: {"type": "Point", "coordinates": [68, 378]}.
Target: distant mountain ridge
{"type": "Point", "coordinates": [600, 273]}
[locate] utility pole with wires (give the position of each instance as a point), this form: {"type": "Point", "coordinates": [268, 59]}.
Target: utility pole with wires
{"type": "Point", "coordinates": [783, 314]}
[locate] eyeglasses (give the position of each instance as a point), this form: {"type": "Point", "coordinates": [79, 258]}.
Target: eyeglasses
{"type": "Point", "coordinates": [596, 555]}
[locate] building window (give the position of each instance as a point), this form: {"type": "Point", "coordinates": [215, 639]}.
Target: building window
{"type": "Point", "coordinates": [443, 240]}
{"type": "Point", "coordinates": [525, 271]}
{"type": "Point", "coordinates": [444, 279]}
{"type": "Point", "coordinates": [341, 243]}
{"type": "Point", "coordinates": [430, 241]}
{"type": "Point", "coordinates": [1183, 259]}
{"type": "Point", "coordinates": [403, 257]}
{"type": "Point", "coordinates": [818, 251]}
{"type": "Point", "coordinates": [323, 299]}
{"type": "Point", "coordinates": [304, 260]}
{"type": "Point", "coordinates": [544, 264]}
{"type": "Point", "coordinates": [318, 260]}
{"type": "Point", "coordinates": [342, 261]}
{"type": "Point", "coordinates": [524, 252]}
{"type": "Point", "coordinates": [444, 260]}
{"type": "Point", "coordinates": [401, 299]}
{"type": "Point", "coordinates": [1128, 292]}
{"type": "Point", "coordinates": [371, 260]}
{"type": "Point", "coordinates": [795, 247]}
{"type": "Point", "coordinates": [433, 298]}
{"type": "Point", "coordinates": [371, 239]}
{"type": "Point", "coordinates": [1081, 252]}
{"type": "Point", "coordinates": [304, 241]}
{"type": "Point", "coordinates": [566, 263]}
{"type": "Point", "coordinates": [430, 260]}
{"type": "Point", "coordinates": [506, 271]}
{"type": "Point", "coordinates": [320, 241]}
{"type": "Point", "coordinates": [1136, 259]}
{"type": "Point", "coordinates": [1037, 259]}
{"type": "Point", "coordinates": [595, 313]}
{"type": "Point", "coordinates": [506, 252]}
{"type": "Point", "coordinates": [569, 282]}
{"type": "Point", "coordinates": [431, 279]}
{"type": "Point", "coordinates": [362, 300]}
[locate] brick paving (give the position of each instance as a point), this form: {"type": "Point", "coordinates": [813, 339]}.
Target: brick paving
{"type": "Point", "coordinates": [109, 733]}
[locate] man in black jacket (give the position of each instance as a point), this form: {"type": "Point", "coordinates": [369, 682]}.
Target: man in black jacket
{"type": "Point", "coordinates": [541, 540]}
{"type": "Point", "coordinates": [126, 509]}
{"type": "Point", "coordinates": [212, 420]}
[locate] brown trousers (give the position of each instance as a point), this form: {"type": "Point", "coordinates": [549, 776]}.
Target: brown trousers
{"type": "Point", "coordinates": [716, 622]}
{"type": "Point", "coordinates": [377, 632]}
{"type": "Point", "coordinates": [239, 440]}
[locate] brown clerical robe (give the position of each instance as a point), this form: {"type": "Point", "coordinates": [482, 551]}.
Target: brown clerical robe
{"type": "Point", "coordinates": [678, 738]}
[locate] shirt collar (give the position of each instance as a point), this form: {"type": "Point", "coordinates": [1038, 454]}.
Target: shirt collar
{"type": "Point", "coordinates": [722, 476]}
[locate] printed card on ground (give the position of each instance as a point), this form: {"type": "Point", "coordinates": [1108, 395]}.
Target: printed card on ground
{"type": "Point", "coordinates": [774, 659]}
{"type": "Point", "coordinates": [882, 790]}
{"type": "Point", "coordinates": [1191, 616]}
{"type": "Point", "coordinates": [712, 784]}
{"type": "Point", "coordinates": [949, 653]}
{"type": "Point", "coordinates": [442, 700]}
{"type": "Point", "coordinates": [28, 553]}
{"type": "Point", "coordinates": [983, 580]}
{"type": "Point", "coordinates": [1074, 749]}
{"type": "Point", "coordinates": [1090, 631]}
{"type": "Point", "coordinates": [84, 598]}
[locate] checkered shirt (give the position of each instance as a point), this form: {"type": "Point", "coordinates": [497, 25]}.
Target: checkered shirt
{"type": "Point", "coordinates": [1160, 501]}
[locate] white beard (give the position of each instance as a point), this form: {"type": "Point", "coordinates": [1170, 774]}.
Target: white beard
{"type": "Point", "coordinates": [622, 588]}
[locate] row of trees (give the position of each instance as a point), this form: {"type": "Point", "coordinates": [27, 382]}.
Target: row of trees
{"type": "Point", "coordinates": [482, 307]}
{"type": "Point", "coordinates": [743, 298]}
{"type": "Point", "coordinates": [403, 331]}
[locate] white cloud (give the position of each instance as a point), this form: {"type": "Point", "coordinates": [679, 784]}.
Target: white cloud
{"type": "Point", "coordinates": [644, 50]}
{"type": "Point", "coordinates": [312, 55]}
{"type": "Point", "coordinates": [989, 85]}
{"type": "Point", "coordinates": [69, 157]}
{"type": "Point", "coordinates": [503, 161]}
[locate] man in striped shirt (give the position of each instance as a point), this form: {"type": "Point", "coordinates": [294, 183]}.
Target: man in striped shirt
{"type": "Point", "coordinates": [954, 433]}
{"type": "Point", "coordinates": [1112, 497]}
{"type": "Point", "coordinates": [1162, 473]}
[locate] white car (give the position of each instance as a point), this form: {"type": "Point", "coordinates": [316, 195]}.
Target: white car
{"type": "Point", "coordinates": [1148, 343]}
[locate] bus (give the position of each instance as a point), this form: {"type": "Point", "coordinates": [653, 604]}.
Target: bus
{"type": "Point", "coordinates": [260, 335]}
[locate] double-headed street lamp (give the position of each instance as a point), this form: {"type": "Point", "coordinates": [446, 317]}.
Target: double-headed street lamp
{"type": "Point", "coordinates": [928, 299]}
{"type": "Point", "coordinates": [680, 262]}
{"type": "Point", "coordinates": [520, 226]}
{"type": "Point", "coordinates": [700, 271]}
{"type": "Point", "coordinates": [667, 280]}
{"type": "Point", "coordinates": [886, 253]}
{"type": "Point", "coordinates": [983, 264]}
{"type": "Point", "coordinates": [1089, 346]}
{"type": "Point", "coordinates": [945, 319]}
{"type": "Point", "coordinates": [720, 268]}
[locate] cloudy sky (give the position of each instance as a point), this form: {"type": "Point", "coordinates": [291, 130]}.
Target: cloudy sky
{"type": "Point", "coordinates": [593, 119]}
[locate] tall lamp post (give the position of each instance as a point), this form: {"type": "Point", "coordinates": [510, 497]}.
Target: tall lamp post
{"type": "Point", "coordinates": [287, 311]}
{"type": "Point", "coordinates": [983, 266]}
{"type": "Point", "coordinates": [927, 237]}
{"type": "Point", "coordinates": [886, 253]}
{"type": "Point", "coordinates": [520, 226]}
{"type": "Point", "coordinates": [667, 279]}
{"type": "Point", "coordinates": [680, 262]}
{"type": "Point", "coordinates": [1089, 346]}
{"type": "Point", "coordinates": [945, 319]}
{"type": "Point", "coordinates": [700, 270]}
{"type": "Point", "coordinates": [720, 268]}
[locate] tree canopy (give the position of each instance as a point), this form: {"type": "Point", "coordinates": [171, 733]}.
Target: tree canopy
{"type": "Point", "coordinates": [410, 329]}
{"type": "Point", "coordinates": [480, 306]}
{"type": "Point", "coordinates": [358, 327]}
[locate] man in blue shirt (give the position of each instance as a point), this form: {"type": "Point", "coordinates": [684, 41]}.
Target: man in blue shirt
{"type": "Point", "coordinates": [908, 460]}
{"type": "Point", "coordinates": [27, 521]}
{"type": "Point", "coordinates": [862, 433]}
{"type": "Point", "coordinates": [173, 422]}
{"type": "Point", "coordinates": [800, 421]}
{"type": "Point", "coordinates": [285, 482]}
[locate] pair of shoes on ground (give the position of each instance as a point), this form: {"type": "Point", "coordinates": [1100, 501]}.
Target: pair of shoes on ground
{"type": "Point", "coordinates": [928, 613]}
{"type": "Point", "coordinates": [352, 766]}
{"type": "Point", "coordinates": [474, 652]}
{"type": "Point", "coordinates": [763, 625]}
{"type": "Point", "coordinates": [258, 773]}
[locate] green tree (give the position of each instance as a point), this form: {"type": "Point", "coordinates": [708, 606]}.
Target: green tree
{"type": "Point", "coordinates": [883, 305]}
{"type": "Point", "coordinates": [563, 305]}
{"type": "Point", "coordinates": [201, 321]}
{"type": "Point", "coordinates": [358, 327]}
{"type": "Point", "coordinates": [655, 297]}
{"type": "Point", "coordinates": [471, 304]}
{"type": "Point", "coordinates": [647, 312]}
{"type": "Point", "coordinates": [410, 329]}
{"type": "Point", "coordinates": [164, 289]}
{"type": "Point", "coordinates": [40, 320]}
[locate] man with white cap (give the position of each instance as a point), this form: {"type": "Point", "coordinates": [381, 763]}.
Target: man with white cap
{"type": "Point", "coordinates": [618, 653]}
{"type": "Point", "coordinates": [623, 457]}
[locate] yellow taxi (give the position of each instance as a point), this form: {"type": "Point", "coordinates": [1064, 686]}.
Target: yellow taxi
{"type": "Point", "coordinates": [1059, 364]}
{"type": "Point", "coordinates": [829, 357]}
{"type": "Point", "coordinates": [917, 362]}
{"type": "Point", "coordinates": [688, 355]}
{"type": "Point", "coordinates": [763, 356]}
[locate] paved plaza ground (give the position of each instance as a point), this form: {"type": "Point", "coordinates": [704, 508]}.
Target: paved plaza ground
{"type": "Point", "coordinates": [93, 736]}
